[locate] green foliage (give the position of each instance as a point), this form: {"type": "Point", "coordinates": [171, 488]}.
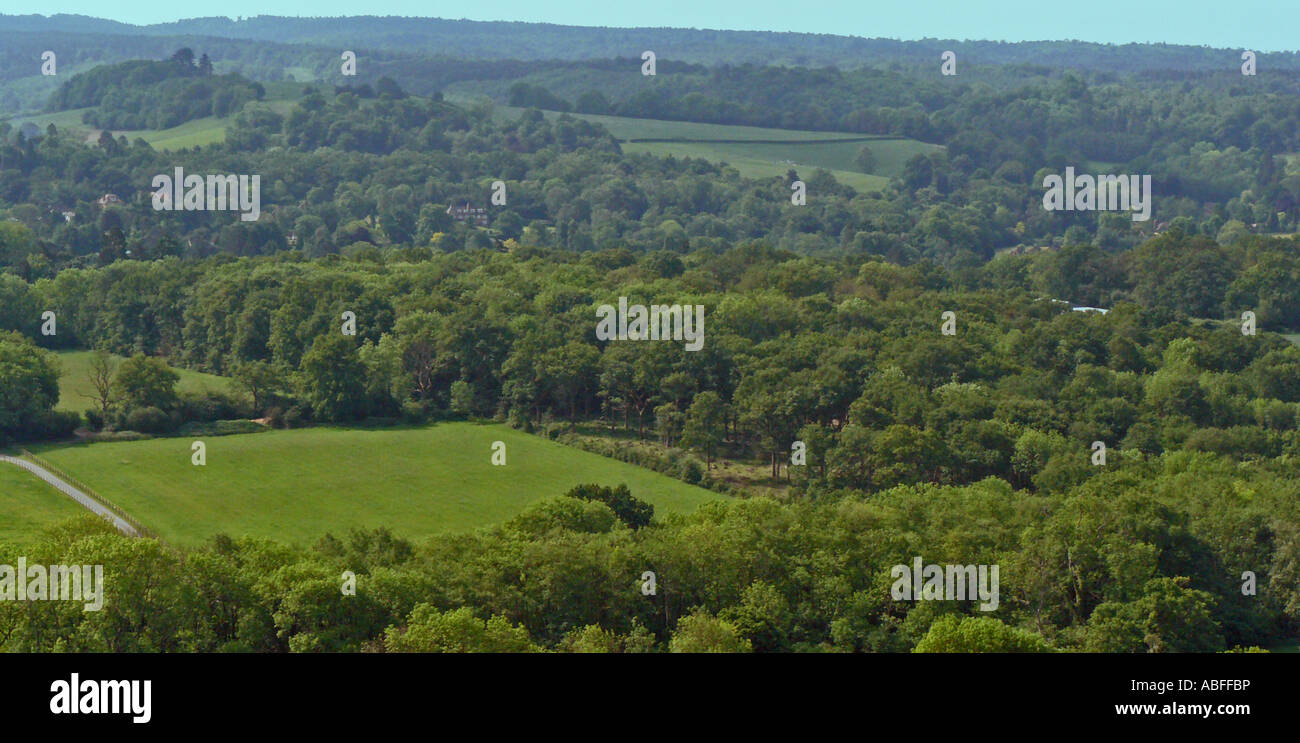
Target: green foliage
{"type": "Point", "coordinates": [702, 633]}
{"type": "Point", "coordinates": [29, 390]}
{"type": "Point", "coordinates": [1168, 618]}
{"type": "Point", "coordinates": [952, 634]}
{"type": "Point", "coordinates": [866, 160]}
{"type": "Point", "coordinates": [705, 425]}
{"type": "Point", "coordinates": [141, 94]}
{"type": "Point", "coordinates": [145, 382]}
{"type": "Point", "coordinates": [632, 511]}
{"type": "Point", "coordinates": [973, 448]}
{"type": "Point", "coordinates": [332, 378]}
{"type": "Point", "coordinates": [459, 631]}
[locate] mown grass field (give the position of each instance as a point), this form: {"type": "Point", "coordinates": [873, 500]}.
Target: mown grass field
{"type": "Point", "coordinates": [281, 97]}
{"type": "Point", "coordinates": [198, 132]}
{"type": "Point", "coordinates": [755, 152]}
{"type": "Point", "coordinates": [28, 505]}
{"type": "Point", "coordinates": [74, 381]}
{"type": "Point", "coordinates": [295, 486]}
{"type": "Point", "coordinates": [772, 160]}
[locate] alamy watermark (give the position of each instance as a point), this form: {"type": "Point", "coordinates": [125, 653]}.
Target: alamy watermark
{"type": "Point", "coordinates": [921, 582]}
{"type": "Point", "coordinates": [655, 323]}
{"type": "Point", "coordinates": [95, 697]}
{"type": "Point", "coordinates": [1102, 193]}
{"type": "Point", "coordinates": [182, 192]}
{"type": "Point", "coordinates": [83, 583]}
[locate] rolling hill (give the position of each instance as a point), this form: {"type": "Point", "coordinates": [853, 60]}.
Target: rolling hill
{"type": "Point", "coordinates": [755, 152]}
{"type": "Point", "coordinates": [297, 485]}
{"type": "Point", "coordinates": [75, 387]}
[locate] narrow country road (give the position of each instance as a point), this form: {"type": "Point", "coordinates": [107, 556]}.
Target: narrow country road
{"type": "Point", "coordinates": [73, 493]}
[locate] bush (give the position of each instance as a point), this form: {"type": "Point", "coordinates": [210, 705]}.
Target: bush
{"type": "Point", "coordinates": [220, 428]}
{"type": "Point", "coordinates": [118, 436]}
{"type": "Point", "coordinates": [413, 412]}
{"type": "Point", "coordinates": [462, 398]}
{"type": "Point", "coordinates": [54, 424]}
{"type": "Point", "coordinates": [296, 416]}
{"type": "Point", "coordinates": [670, 463]}
{"type": "Point", "coordinates": [210, 406]}
{"type": "Point", "coordinates": [148, 420]}
{"type": "Point", "coordinates": [634, 512]}
{"type": "Point", "coordinates": [690, 470]}
{"type": "Point", "coordinates": [94, 420]}
{"type": "Point", "coordinates": [518, 419]}
{"type": "Point", "coordinates": [951, 634]}
{"type": "Point", "coordinates": [275, 417]}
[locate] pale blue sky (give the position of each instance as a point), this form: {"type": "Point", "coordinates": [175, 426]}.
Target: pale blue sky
{"type": "Point", "coordinates": [1265, 25]}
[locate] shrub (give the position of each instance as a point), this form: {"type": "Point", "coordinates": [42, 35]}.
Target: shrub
{"type": "Point", "coordinates": [118, 436]}
{"type": "Point", "coordinates": [462, 398]}
{"type": "Point", "coordinates": [690, 470]}
{"type": "Point", "coordinates": [950, 634]}
{"type": "Point", "coordinates": [210, 406]}
{"type": "Point", "coordinates": [634, 512]}
{"type": "Point", "coordinates": [275, 417]}
{"type": "Point", "coordinates": [94, 420]}
{"type": "Point", "coordinates": [296, 416]}
{"type": "Point", "coordinates": [413, 412]}
{"type": "Point", "coordinates": [220, 428]}
{"type": "Point", "coordinates": [54, 424]}
{"type": "Point", "coordinates": [148, 420]}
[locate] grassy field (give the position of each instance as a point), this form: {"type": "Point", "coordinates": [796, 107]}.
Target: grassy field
{"type": "Point", "coordinates": [281, 98]}
{"type": "Point", "coordinates": [74, 383]}
{"type": "Point", "coordinates": [297, 485]}
{"type": "Point", "coordinates": [773, 160]}
{"type": "Point", "coordinates": [755, 152]}
{"type": "Point", "coordinates": [67, 122]}
{"type": "Point", "coordinates": [28, 505]}
{"type": "Point", "coordinates": [189, 134]}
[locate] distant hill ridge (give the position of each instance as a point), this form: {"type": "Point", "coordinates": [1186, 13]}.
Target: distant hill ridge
{"type": "Point", "coordinates": [518, 40]}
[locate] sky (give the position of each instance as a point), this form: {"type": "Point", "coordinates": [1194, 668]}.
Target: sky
{"type": "Point", "coordinates": [1261, 25]}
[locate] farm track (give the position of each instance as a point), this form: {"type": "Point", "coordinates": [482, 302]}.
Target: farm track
{"type": "Point", "coordinates": [73, 493]}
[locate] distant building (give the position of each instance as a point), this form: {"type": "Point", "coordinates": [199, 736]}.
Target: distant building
{"type": "Point", "coordinates": [67, 216]}
{"type": "Point", "coordinates": [467, 213]}
{"type": "Point", "coordinates": [107, 199]}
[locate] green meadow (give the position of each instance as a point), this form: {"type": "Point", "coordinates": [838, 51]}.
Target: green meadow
{"type": "Point", "coordinates": [297, 485]}
{"type": "Point", "coordinates": [28, 505]}
{"type": "Point", "coordinates": [755, 152]}
{"type": "Point", "coordinates": [198, 132]}
{"type": "Point", "coordinates": [75, 386]}
{"type": "Point", "coordinates": [769, 160]}
{"type": "Point", "coordinates": [281, 98]}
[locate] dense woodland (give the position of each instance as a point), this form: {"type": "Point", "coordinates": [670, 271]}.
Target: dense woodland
{"type": "Point", "coordinates": [155, 95]}
{"type": "Point", "coordinates": [913, 438]}
{"type": "Point", "coordinates": [822, 326]}
{"type": "Point", "coordinates": [370, 165]}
